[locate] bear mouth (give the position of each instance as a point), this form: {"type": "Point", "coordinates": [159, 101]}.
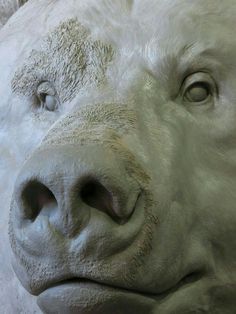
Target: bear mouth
{"type": "Point", "coordinates": [83, 296]}
{"type": "Point", "coordinates": [189, 279]}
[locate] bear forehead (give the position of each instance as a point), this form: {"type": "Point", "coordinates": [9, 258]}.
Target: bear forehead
{"type": "Point", "coordinates": [166, 31]}
{"type": "Point", "coordinates": [161, 26]}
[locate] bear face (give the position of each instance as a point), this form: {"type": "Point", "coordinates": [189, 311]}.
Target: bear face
{"type": "Point", "coordinates": [126, 205]}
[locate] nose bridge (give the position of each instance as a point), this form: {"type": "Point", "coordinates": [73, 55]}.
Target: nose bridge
{"type": "Point", "coordinates": [93, 123]}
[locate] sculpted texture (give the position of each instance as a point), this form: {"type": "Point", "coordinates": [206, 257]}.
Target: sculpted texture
{"type": "Point", "coordinates": [69, 59]}
{"type": "Point", "coordinates": [124, 201]}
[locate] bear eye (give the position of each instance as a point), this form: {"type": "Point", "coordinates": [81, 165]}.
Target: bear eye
{"type": "Point", "coordinates": [198, 88]}
{"type": "Point", "coordinates": [47, 97]}
{"type": "Point", "coordinates": [197, 92]}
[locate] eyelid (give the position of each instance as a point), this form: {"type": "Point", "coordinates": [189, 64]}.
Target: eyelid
{"type": "Point", "coordinates": [46, 88]}
{"type": "Point", "coordinates": [198, 77]}
{"type": "Point", "coordinates": [47, 96]}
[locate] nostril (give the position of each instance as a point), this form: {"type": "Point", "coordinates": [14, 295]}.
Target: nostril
{"type": "Point", "coordinates": [97, 196]}
{"type": "Point", "coordinates": [37, 197]}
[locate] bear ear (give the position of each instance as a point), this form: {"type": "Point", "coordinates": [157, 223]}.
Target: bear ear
{"type": "Point", "coordinates": [8, 8]}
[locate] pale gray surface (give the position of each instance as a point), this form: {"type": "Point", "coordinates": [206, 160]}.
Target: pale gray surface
{"type": "Point", "coordinates": [142, 98]}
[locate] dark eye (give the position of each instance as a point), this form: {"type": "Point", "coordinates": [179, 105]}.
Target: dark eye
{"type": "Point", "coordinates": [198, 88]}
{"type": "Point", "coordinates": [47, 97]}
{"type": "Point", "coordinates": [198, 92]}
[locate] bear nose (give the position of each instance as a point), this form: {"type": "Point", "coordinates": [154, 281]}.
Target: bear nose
{"type": "Point", "coordinates": [66, 186]}
{"type": "Point", "coordinates": [39, 199]}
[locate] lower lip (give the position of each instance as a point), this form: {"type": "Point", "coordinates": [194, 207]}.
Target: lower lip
{"type": "Point", "coordinates": [92, 298]}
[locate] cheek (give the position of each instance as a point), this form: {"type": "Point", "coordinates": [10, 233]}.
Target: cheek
{"type": "Point", "coordinates": [164, 146]}
{"type": "Point", "coordinates": [20, 133]}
